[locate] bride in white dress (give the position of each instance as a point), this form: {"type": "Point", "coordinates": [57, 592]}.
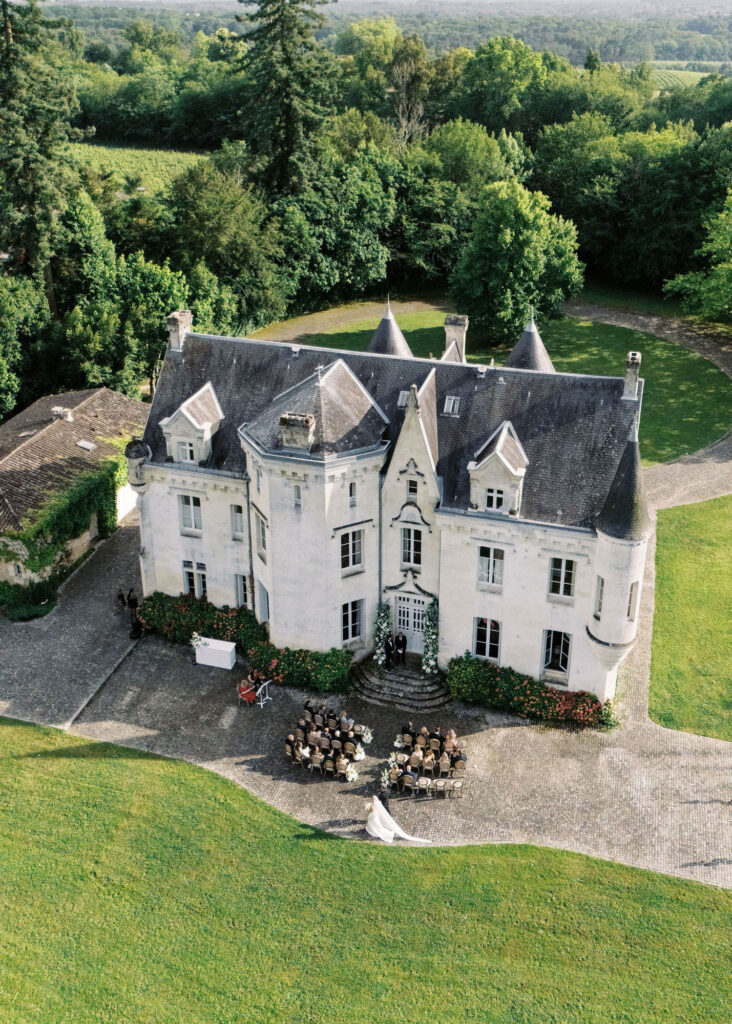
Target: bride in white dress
{"type": "Point", "coordinates": [381, 825]}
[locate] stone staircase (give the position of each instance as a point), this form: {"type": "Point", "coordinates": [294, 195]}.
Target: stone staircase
{"type": "Point", "coordinates": [403, 686]}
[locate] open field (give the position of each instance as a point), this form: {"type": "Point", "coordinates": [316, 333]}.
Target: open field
{"type": "Point", "coordinates": [668, 79]}
{"type": "Point", "coordinates": [687, 402]}
{"type": "Point", "coordinates": [155, 168]}
{"type": "Point", "coordinates": [691, 673]}
{"type": "Point", "coordinates": [147, 890]}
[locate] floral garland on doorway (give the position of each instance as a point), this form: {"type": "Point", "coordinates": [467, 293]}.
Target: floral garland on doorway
{"type": "Point", "coordinates": [382, 629]}
{"type": "Point", "coordinates": [431, 636]}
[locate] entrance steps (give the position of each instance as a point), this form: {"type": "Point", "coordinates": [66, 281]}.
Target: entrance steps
{"type": "Point", "coordinates": [403, 687]}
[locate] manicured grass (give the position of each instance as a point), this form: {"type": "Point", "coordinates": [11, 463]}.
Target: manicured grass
{"type": "Point", "coordinates": [691, 672]}
{"type": "Point", "coordinates": [155, 167]}
{"type": "Point", "coordinates": [629, 300]}
{"type": "Point", "coordinates": [687, 402]}
{"type": "Point", "coordinates": [142, 890]}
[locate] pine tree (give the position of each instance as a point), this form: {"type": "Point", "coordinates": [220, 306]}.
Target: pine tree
{"type": "Point", "coordinates": [37, 102]}
{"type": "Point", "coordinates": [286, 92]}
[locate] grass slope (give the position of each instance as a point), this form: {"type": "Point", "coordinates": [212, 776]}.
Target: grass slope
{"type": "Point", "coordinates": [691, 673]}
{"type": "Point", "coordinates": [148, 891]}
{"type": "Point", "coordinates": [668, 79]}
{"type": "Point", "coordinates": [156, 168]}
{"type": "Point", "coordinates": [687, 402]}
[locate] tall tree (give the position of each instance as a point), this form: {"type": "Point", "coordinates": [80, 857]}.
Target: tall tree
{"type": "Point", "coordinates": [518, 258]}
{"type": "Point", "coordinates": [286, 92]}
{"type": "Point", "coordinates": [708, 293]}
{"type": "Point", "coordinates": [37, 102]}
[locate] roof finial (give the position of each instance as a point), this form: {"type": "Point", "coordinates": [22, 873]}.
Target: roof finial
{"type": "Point", "coordinates": [531, 320]}
{"type": "Point", "coordinates": [388, 304]}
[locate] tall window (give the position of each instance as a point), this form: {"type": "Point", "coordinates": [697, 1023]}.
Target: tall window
{"type": "Point", "coordinates": [190, 512]}
{"type": "Point", "coordinates": [351, 495]}
{"type": "Point", "coordinates": [186, 451]}
{"type": "Point", "coordinates": [633, 600]}
{"type": "Point", "coordinates": [240, 590]}
{"type": "Point", "coordinates": [486, 639]}
{"type": "Point", "coordinates": [18, 569]}
{"type": "Point", "coordinates": [490, 566]}
{"type": "Point", "coordinates": [258, 474]}
{"type": "Point", "coordinates": [556, 651]}
{"type": "Point", "coordinates": [561, 577]}
{"type": "Point", "coordinates": [351, 618]}
{"type": "Point", "coordinates": [412, 488]}
{"type": "Point", "coordinates": [260, 528]}
{"type": "Point", "coordinates": [237, 521]}
{"type": "Point", "coordinates": [297, 497]}
{"type": "Point", "coordinates": [452, 405]}
{"type": "Point", "coordinates": [194, 581]}
{"type": "Point", "coordinates": [493, 498]}
{"type": "Point", "coordinates": [411, 546]}
{"type": "Point", "coordinates": [352, 549]}
{"type": "Point", "coordinates": [599, 591]}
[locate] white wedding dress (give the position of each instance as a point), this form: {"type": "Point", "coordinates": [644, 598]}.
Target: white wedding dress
{"type": "Point", "coordinates": [381, 825]}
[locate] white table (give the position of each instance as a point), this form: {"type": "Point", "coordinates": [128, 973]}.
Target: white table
{"type": "Point", "coordinates": [218, 653]}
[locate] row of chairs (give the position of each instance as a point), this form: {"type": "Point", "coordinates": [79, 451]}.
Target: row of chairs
{"type": "Point", "coordinates": [443, 768]}
{"type": "Point", "coordinates": [317, 762]}
{"type": "Point", "coordinates": [330, 721]}
{"type": "Point", "coordinates": [437, 787]}
{"type": "Point", "coordinates": [421, 741]}
{"type": "Point", "coordinates": [325, 743]}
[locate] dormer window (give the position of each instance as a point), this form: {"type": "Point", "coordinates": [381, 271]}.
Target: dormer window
{"type": "Point", "coordinates": [186, 451]}
{"type": "Point", "coordinates": [402, 400]}
{"type": "Point", "coordinates": [452, 405]}
{"type": "Point", "coordinates": [494, 498]}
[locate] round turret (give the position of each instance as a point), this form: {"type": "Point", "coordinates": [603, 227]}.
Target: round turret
{"type": "Point", "coordinates": [137, 454]}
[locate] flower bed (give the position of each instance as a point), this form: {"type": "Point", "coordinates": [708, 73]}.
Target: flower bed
{"type": "Point", "coordinates": [479, 682]}
{"type": "Point", "coordinates": [178, 618]}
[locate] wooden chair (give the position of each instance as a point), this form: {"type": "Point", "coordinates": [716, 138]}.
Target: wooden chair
{"type": "Point", "coordinates": [435, 745]}
{"type": "Point", "coordinates": [395, 780]}
{"type": "Point", "coordinates": [423, 786]}
{"type": "Point", "coordinates": [329, 766]}
{"type": "Point", "coordinates": [431, 767]}
{"type": "Point", "coordinates": [415, 761]}
{"type": "Point", "coordinates": [297, 758]}
{"type": "Point", "coordinates": [341, 768]}
{"type": "Point", "coordinates": [407, 740]}
{"type": "Point", "coordinates": [325, 742]}
{"type": "Point", "coordinates": [409, 783]}
{"type": "Point", "coordinates": [440, 786]}
{"type": "Point", "coordinates": [349, 748]}
{"type": "Point", "coordinates": [288, 752]}
{"type": "Point", "coordinates": [335, 744]}
{"type": "Point", "coordinates": [458, 769]}
{"type": "Point", "coordinates": [457, 788]}
{"type": "Point", "coordinates": [421, 741]}
{"type": "Point", "coordinates": [332, 722]}
{"type": "Point", "coordinates": [307, 715]}
{"type": "Point", "coordinates": [401, 759]}
{"type": "Point", "coordinates": [445, 767]}
{"type": "Point", "coordinates": [299, 734]}
{"type": "Point", "coordinates": [316, 763]}
{"type": "Point", "coordinates": [358, 731]}
{"type": "Point", "coordinates": [319, 721]}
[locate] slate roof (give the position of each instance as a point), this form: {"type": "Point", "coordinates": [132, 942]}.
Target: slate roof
{"type": "Point", "coordinates": [203, 407]}
{"type": "Point", "coordinates": [346, 416]}
{"type": "Point", "coordinates": [625, 513]}
{"type": "Point", "coordinates": [39, 453]}
{"type": "Point", "coordinates": [505, 444]}
{"type": "Point", "coordinates": [572, 427]}
{"type": "Point", "coordinates": [529, 352]}
{"type": "Point", "coordinates": [388, 339]}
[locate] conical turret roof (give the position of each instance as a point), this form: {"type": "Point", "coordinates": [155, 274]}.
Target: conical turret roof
{"type": "Point", "coordinates": [387, 339]}
{"type": "Point", "coordinates": [625, 513]}
{"type": "Point", "coordinates": [529, 352]}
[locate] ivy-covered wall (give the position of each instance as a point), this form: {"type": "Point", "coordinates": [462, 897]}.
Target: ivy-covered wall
{"type": "Point", "coordinates": [66, 515]}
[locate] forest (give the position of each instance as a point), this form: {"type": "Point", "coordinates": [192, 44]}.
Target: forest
{"type": "Point", "coordinates": [337, 159]}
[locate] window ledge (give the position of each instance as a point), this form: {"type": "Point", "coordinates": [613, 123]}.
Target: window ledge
{"type": "Point", "coordinates": [238, 538]}
{"type": "Point", "coordinates": [408, 567]}
{"type": "Point", "coordinates": [185, 532]}
{"type": "Point", "coordinates": [490, 588]}
{"type": "Point", "coordinates": [352, 572]}
{"type": "Point", "coordinates": [560, 599]}
{"type": "Point", "coordinates": [352, 645]}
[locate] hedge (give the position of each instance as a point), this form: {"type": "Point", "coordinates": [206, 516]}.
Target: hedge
{"type": "Point", "coordinates": [475, 681]}
{"type": "Point", "coordinates": [178, 618]}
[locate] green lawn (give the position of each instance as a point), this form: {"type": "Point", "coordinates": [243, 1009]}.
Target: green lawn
{"type": "Point", "coordinates": [155, 167]}
{"type": "Point", "coordinates": [691, 668]}
{"type": "Point", "coordinates": [148, 891]}
{"type": "Point", "coordinates": [629, 300]}
{"type": "Point", "coordinates": [687, 402]}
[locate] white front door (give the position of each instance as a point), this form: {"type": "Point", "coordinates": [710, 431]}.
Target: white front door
{"type": "Point", "coordinates": [410, 621]}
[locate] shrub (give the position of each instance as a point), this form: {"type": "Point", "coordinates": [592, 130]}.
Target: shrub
{"type": "Point", "coordinates": [178, 618]}
{"type": "Point", "coordinates": [480, 682]}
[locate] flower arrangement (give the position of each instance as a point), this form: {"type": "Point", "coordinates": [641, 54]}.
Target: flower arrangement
{"type": "Point", "coordinates": [366, 735]}
{"type": "Point", "coordinates": [382, 629]}
{"type": "Point", "coordinates": [198, 641]}
{"type": "Point", "coordinates": [351, 773]}
{"type": "Point", "coordinates": [384, 777]}
{"type": "Point", "coordinates": [431, 639]}
{"type": "Point", "coordinates": [399, 743]}
{"type": "Point", "coordinates": [480, 682]}
{"type": "Point", "coordinates": [360, 753]}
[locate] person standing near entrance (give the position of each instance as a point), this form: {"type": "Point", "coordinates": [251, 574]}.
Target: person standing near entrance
{"type": "Point", "coordinates": [401, 648]}
{"type": "Point", "coordinates": [389, 650]}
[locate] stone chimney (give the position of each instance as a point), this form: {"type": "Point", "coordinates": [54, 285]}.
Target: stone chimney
{"type": "Point", "coordinates": [456, 327]}
{"type": "Point", "coordinates": [632, 372]}
{"type": "Point", "coordinates": [179, 323]}
{"type": "Point", "coordinates": [297, 430]}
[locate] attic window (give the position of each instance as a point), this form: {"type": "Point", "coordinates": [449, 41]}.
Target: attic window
{"type": "Point", "coordinates": [452, 405]}
{"type": "Point", "coordinates": [88, 446]}
{"type": "Point", "coordinates": [402, 400]}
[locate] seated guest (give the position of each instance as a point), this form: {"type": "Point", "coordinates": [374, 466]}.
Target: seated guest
{"type": "Point", "coordinates": [247, 691]}
{"type": "Point", "coordinates": [437, 735]}
{"type": "Point", "coordinates": [458, 755]}
{"type": "Point", "coordinates": [428, 761]}
{"type": "Point", "coordinates": [346, 722]}
{"type": "Point", "coordinates": [418, 754]}
{"type": "Point", "coordinates": [411, 772]}
{"type": "Point", "coordinates": [290, 741]}
{"type": "Point", "coordinates": [309, 706]}
{"type": "Point", "coordinates": [302, 724]}
{"type": "Point", "coordinates": [424, 731]}
{"type": "Point", "coordinates": [342, 762]}
{"type": "Point", "coordinates": [409, 728]}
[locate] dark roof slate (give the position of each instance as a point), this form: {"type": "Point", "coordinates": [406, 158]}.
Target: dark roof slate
{"type": "Point", "coordinates": [388, 340]}
{"type": "Point", "coordinates": [573, 428]}
{"type": "Point", "coordinates": [529, 352]}
{"type": "Point", "coordinates": [625, 513]}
